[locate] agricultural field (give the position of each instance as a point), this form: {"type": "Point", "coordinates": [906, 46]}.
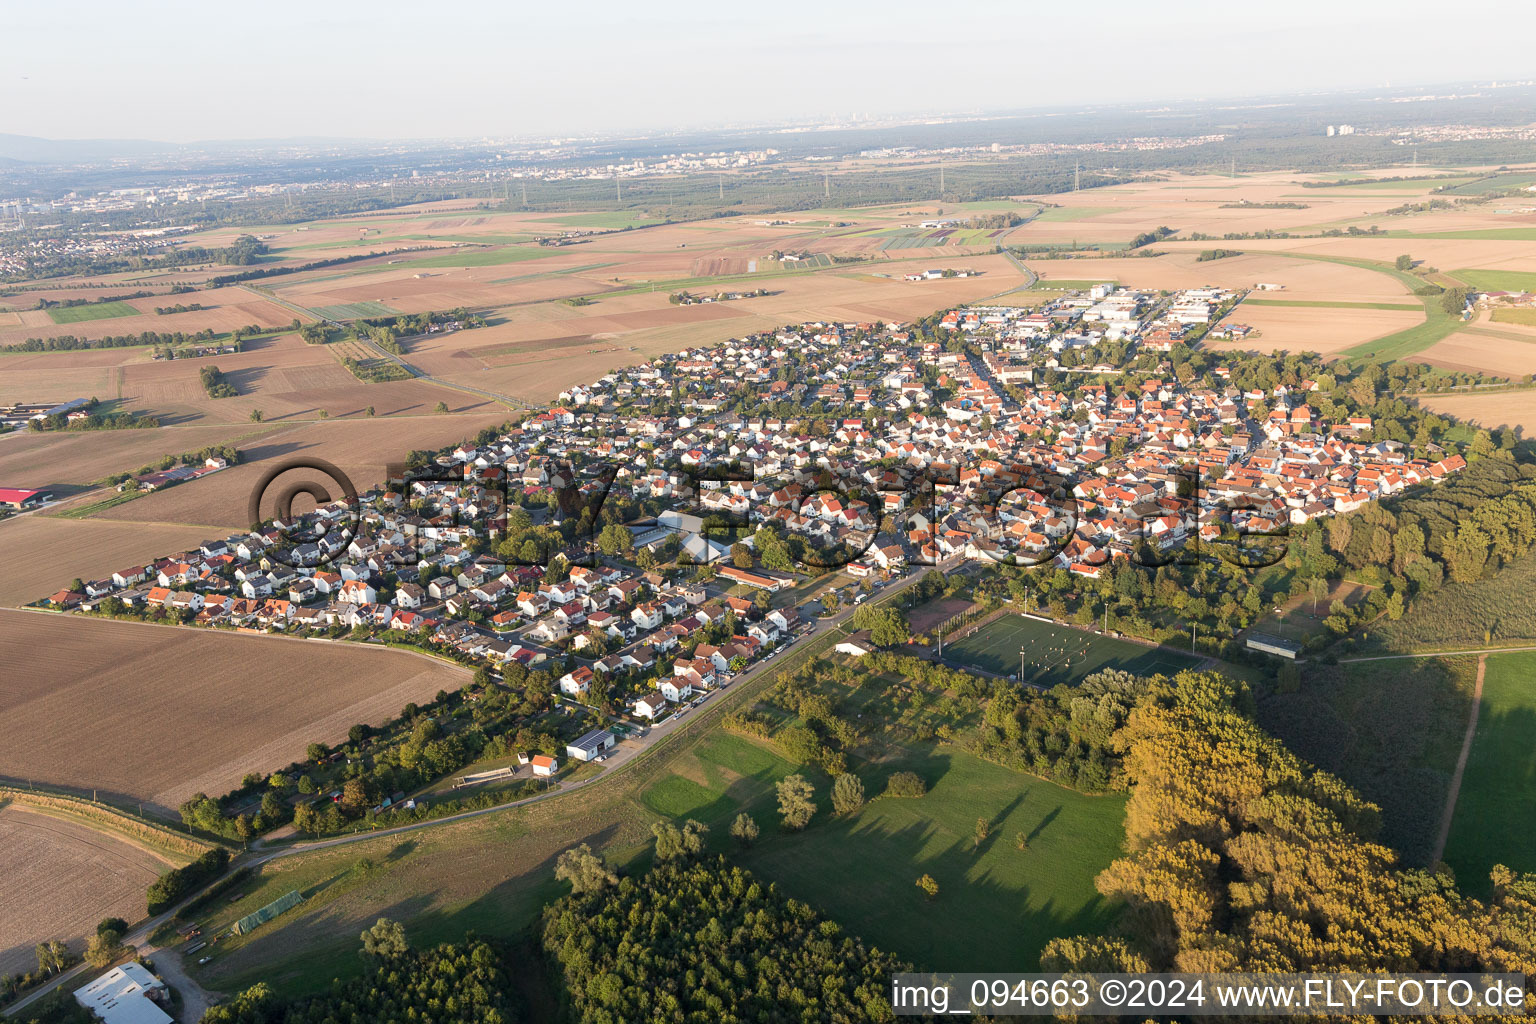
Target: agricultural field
{"type": "Point", "coordinates": [1502, 409]}
{"type": "Point", "coordinates": [360, 447]}
{"type": "Point", "coordinates": [1501, 354]}
{"type": "Point", "coordinates": [225, 309]}
{"type": "Point", "coordinates": [1056, 655]}
{"type": "Point", "coordinates": [61, 878]}
{"type": "Point", "coordinates": [67, 458]}
{"type": "Point", "coordinates": [1391, 729]}
{"type": "Point", "coordinates": [1312, 329]}
{"type": "Point", "coordinates": [1496, 806]}
{"type": "Point", "coordinates": [1498, 280]}
{"type": "Point", "coordinates": [93, 311]}
{"type": "Point", "coordinates": [41, 553]}
{"type": "Point", "coordinates": [192, 710]}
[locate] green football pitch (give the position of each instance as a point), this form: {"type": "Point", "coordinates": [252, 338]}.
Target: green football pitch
{"type": "Point", "coordinates": [1054, 655]}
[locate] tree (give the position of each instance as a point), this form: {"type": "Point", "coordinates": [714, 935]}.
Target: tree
{"type": "Point", "coordinates": [693, 837]}
{"type": "Point", "coordinates": [615, 539]}
{"type": "Point", "coordinates": [585, 870]}
{"type": "Point", "coordinates": [1453, 300]}
{"type": "Point", "coordinates": [887, 625]}
{"type": "Point", "coordinates": [905, 784]}
{"type": "Point", "coordinates": [741, 556]}
{"type": "Point", "coordinates": [440, 407]}
{"type": "Point", "coordinates": [928, 885]}
{"type": "Point", "coordinates": [52, 956]}
{"type": "Point", "coordinates": [255, 415]}
{"type": "Point", "coordinates": [105, 947]}
{"type": "Point", "coordinates": [354, 796]}
{"type": "Point", "coordinates": [368, 411]}
{"type": "Point", "coordinates": [744, 829]}
{"type": "Point", "coordinates": [1318, 588]}
{"type": "Point", "coordinates": [385, 940]}
{"type": "Point", "coordinates": [847, 793]}
{"type": "Point", "coordinates": [669, 840]}
{"type": "Point", "coordinates": [796, 802]}
{"type": "Point", "coordinates": [1021, 842]}
{"type": "Point", "coordinates": [1405, 262]}
{"type": "Point", "coordinates": [983, 829]}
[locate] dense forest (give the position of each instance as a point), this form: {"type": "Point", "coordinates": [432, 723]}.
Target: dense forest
{"type": "Point", "coordinates": [451, 984]}
{"type": "Point", "coordinates": [1242, 857]}
{"type": "Point", "coordinates": [707, 942]}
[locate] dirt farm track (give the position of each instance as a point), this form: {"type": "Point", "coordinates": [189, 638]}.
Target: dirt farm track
{"type": "Point", "coordinates": [156, 714]}
{"type": "Point", "coordinates": [60, 879]}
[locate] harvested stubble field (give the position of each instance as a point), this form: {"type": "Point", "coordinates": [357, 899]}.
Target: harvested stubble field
{"type": "Point", "coordinates": [191, 710]}
{"type": "Point", "coordinates": [227, 308]}
{"type": "Point", "coordinates": [40, 555]}
{"type": "Point", "coordinates": [62, 877]}
{"type": "Point", "coordinates": [66, 457]}
{"type": "Point", "coordinates": [1304, 280]}
{"type": "Point", "coordinates": [1315, 329]}
{"type": "Point", "coordinates": [1475, 351]}
{"type": "Point", "coordinates": [361, 448]}
{"type": "Point", "coordinates": [1501, 409]}
{"type": "Point", "coordinates": [59, 382]}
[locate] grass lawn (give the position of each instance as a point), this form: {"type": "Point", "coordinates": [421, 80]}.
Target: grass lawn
{"type": "Point", "coordinates": [1496, 809]}
{"type": "Point", "coordinates": [1498, 280]}
{"type": "Point", "coordinates": [94, 311]}
{"type": "Point", "coordinates": [1057, 654]}
{"type": "Point", "coordinates": [997, 905]}
{"type": "Point", "coordinates": [862, 870]}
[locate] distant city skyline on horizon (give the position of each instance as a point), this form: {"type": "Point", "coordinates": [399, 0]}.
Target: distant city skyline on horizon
{"type": "Point", "coordinates": [350, 71]}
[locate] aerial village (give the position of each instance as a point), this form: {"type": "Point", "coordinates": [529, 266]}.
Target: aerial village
{"type": "Point", "coordinates": [717, 464]}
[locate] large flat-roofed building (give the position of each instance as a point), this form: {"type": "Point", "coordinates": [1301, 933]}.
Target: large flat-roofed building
{"type": "Point", "coordinates": [18, 498]}
{"type": "Point", "coordinates": [125, 995]}
{"type": "Point", "coordinates": [1279, 646]}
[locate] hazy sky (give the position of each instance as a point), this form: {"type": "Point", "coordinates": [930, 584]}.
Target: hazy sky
{"type": "Point", "coordinates": [182, 71]}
